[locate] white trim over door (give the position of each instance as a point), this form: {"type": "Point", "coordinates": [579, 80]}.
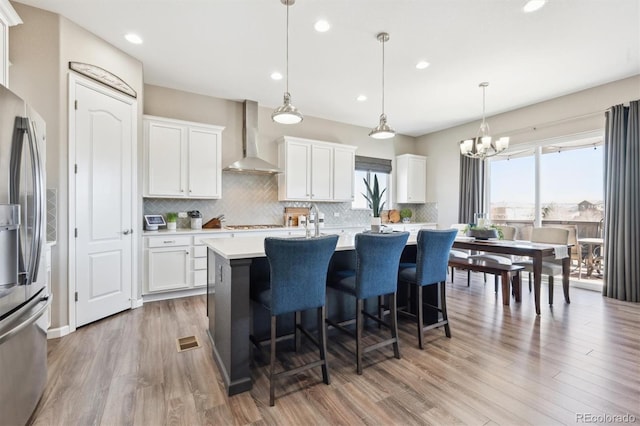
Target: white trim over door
{"type": "Point", "coordinates": [75, 82]}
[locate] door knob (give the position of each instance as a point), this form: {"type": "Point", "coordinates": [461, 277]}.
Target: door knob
{"type": "Point", "coordinates": [126, 231]}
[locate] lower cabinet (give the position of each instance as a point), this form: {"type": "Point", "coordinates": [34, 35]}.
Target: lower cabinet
{"type": "Point", "coordinates": [168, 262]}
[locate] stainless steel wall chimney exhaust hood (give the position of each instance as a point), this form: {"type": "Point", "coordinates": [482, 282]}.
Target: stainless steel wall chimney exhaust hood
{"type": "Point", "coordinates": [251, 163]}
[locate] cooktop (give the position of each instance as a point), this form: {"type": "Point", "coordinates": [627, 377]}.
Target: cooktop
{"type": "Point", "coordinates": [253, 226]}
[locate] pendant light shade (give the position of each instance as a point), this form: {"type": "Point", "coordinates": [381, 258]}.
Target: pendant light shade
{"type": "Point", "coordinates": [287, 113]}
{"type": "Point", "coordinates": [382, 130]}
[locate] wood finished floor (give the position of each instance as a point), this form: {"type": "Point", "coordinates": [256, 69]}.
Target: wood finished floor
{"type": "Point", "coordinates": [503, 365]}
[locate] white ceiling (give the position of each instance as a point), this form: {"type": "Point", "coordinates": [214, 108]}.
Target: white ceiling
{"type": "Point", "coordinates": [229, 48]}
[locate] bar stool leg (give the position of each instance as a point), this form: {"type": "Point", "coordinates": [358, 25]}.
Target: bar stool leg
{"type": "Point", "coordinates": [322, 329]}
{"type": "Point", "coordinates": [359, 327]}
{"type": "Point", "coordinates": [272, 366]}
{"type": "Point", "coordinates": [419, 315]}
{"type": "Point", "coordinates": [394, 324]}
{"type": "Point", "coordinates": [551, 289]}
{"type": "Point", "coordinates": [443, 307]}
{"type": "Point", "coordinates": [296, 332]}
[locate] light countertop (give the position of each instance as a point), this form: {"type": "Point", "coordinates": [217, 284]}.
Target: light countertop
{"type": "Point", "coordinates": [250, 247]}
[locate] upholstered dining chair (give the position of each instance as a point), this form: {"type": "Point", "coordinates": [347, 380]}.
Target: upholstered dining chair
{"type": "Point", "coordinates": [457, 254]}
{"type": "Point", "coordinates": [550, 265]}
{"type": "Point", "coordinates": [508, 233]}
{"type": "Point", "coordinates": [298, 275]}
{"type": "Point", "coordinates": [376, 275]}
{"type": "Point", "coordinates": [432, 260]}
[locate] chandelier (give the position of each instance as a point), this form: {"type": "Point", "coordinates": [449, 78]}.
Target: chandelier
{"type": "Point", "coordinates": [483, 145]}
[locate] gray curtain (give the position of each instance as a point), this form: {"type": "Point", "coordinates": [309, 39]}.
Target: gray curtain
{"type": "Point", "coordinates": [622, 203]}
{"type": "Point", "coordinates": [471, 189]}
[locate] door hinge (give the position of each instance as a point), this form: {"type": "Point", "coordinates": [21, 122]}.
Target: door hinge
{"type": "Point", "coordinates": [76, 296]}
{"type": "Point", "coordinates": [75, 168]}
{"type": "Point", "coordinates": [75, 104]}
{"type": "Point", "coordinates": [75, 231]}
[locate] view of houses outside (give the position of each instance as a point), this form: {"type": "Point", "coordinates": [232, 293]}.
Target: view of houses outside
{"type": "Point", "coordinates": [571, 186]}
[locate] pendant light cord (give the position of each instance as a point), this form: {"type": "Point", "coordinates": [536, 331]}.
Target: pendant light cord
{"type": "Point", "coordinates": [383, 75]}
{"type": "Point", "coordinates": [483, 101]}
{"type": "Point", "coordinates": [287, 50]}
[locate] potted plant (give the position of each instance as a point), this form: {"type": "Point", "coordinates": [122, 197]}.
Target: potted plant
{"type": "Point", "coordinates": [374, 197]}
{"type": "Point", "coordinates": [172, 218]}
{"type": "Point", "coordinates": [405, 215]}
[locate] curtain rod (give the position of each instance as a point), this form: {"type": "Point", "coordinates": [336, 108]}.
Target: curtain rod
{"type": "Point", "coordinates": [553, 123]}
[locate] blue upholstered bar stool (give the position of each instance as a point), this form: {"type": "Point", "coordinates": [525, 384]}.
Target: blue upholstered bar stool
{"type": "Point", "coordinates": [298, 276]}
{"type": "Point", "coordinates": [432, 260]}
{"type": "Point", "coordinates": [376, 274]}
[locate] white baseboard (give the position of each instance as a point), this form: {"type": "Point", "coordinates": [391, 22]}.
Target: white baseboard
{"type": "Point", "coordinates": [137, 303]}
{"type": "Point", "coordinates": [54, 333]}
{"type": "Point", "coordinates": [152, 297]}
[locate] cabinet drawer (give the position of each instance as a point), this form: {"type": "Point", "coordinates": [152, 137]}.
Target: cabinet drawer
{"type": "Point", "coordinates": [199, 278]}
{"type": "Point", "coordinates": [200, 263]}
{"type": "Point", "coordinates": [169, 241]}
{"type": "Point", "coordinates": [200, 251]}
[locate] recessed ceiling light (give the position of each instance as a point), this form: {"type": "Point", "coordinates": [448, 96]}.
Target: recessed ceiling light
{"type": "Point", "coordinates": [361, 98]}
{"type": "Point", "coordinates": [322, 26]}
{"type": "Point", "coordinates": [133, 38]}
{"type": "Point", "coordinates": [422, 65]}
{"type": "Point", "coordinates": [533, 5]}
{"type": "Point", "coordinates": [276, 76]}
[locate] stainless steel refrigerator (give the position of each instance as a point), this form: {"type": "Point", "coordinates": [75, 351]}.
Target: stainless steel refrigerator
{"type": "Point", "coordinates": [24, 296]}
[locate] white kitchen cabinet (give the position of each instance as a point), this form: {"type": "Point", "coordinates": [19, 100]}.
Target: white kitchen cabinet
{"type": "Point", "coordinates": [411, 179]}
{"type": "Point", "coordinates": [343, 173]}
{"type": "Point", "coordinates": [315, 170]}
{"type": "Point", "coordinates": [182, 159]}
{"type": "Point", "coordinates": [168, 263]}
{"type": "Point", "coordinates": [8, 18]}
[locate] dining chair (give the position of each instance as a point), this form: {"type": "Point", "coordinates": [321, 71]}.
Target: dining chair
{"type": "Point", "coordinates": [508, 233]}
{"type": "Point", "coordinates": [297, 282]}
{"type": "Point", "coordinates": [432, 259]}
{"type": "Point", "coordinates": [376, 275]}
{"type": "Point", "coordinates": [550, 265]}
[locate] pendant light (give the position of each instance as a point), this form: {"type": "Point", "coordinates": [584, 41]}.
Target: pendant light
{"type": "Point", "coordinates": [382, 130]}
{"type": "Point", "coordinates": [482, 146]}
{"type": "Point", "coordinates": [287, 113]}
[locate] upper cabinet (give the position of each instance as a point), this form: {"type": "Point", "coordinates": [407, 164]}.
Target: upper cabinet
{"type": "Point", "coordinates": [411, 179]}
{"type": "Point", "coordinates": [315, 170]}
{"type": "Point", "coordinates": [8, 18]}
{"type": "Point", "coordinates": [182, 159]}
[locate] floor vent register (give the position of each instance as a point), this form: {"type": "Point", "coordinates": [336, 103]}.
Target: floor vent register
{"type": "Point", "coordinates": [187, 343]}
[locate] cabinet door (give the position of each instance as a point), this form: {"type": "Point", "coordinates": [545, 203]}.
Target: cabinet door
{"type": "Point", "coordinates": [417, 180]}
{"type": "Point", "coordinates": [168, 268]}
{"type": "Point", "coordinates": [204, 164]}
{"type": "Point", "coordinates": [298, 174]}
{"type": "Point", "coordinates": [166, 148]}
{"type": "Point", "coordinates": [343, 174]}
{"type": "Point", "coordinates": [321, 173]}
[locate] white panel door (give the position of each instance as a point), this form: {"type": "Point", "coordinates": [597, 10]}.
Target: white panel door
{"type": "Point", "coordinates": [103, 246]}
{"type": "Point", "coordinates": [321, 173]}
{"type": "Point", "coordinates": [204, 164]}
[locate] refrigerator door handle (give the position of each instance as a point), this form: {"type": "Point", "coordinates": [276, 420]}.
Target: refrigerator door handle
{"type": "Point", "coordinates": [36, 162]}
{"type": "Point", "coordinates": [14, 186]}
{"type": "Point", "coordinates": [33, 317]}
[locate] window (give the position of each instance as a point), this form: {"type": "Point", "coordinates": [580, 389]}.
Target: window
{"type": "Point", "coordinates": [367, 168]}
{"type": "Point", "coordinates": [359, 202]}
{"type": "Point", "coordinates": [570, 184]}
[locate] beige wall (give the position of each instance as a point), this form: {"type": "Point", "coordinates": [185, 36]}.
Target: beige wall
{"type": "Point", "coordinates": [40, 50]}
{"type": "Point", "coordinates": [171, 103]}
{"type": "Point", "coordinates": [567, 115]}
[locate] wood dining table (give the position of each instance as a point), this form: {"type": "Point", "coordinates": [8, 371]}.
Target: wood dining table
{"type": "Point", "coordinates": [536, 251]}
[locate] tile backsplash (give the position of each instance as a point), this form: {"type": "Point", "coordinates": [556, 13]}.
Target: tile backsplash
{"type": "Point", "coordinates": [253, 199]}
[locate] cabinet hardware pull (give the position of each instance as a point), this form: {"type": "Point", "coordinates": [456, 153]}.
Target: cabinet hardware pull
{"type": "Point", "coordinates": [168, 241]}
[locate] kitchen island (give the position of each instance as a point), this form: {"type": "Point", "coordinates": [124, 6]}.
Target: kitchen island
{"type": "Point", "coordinates": [232, 265]}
